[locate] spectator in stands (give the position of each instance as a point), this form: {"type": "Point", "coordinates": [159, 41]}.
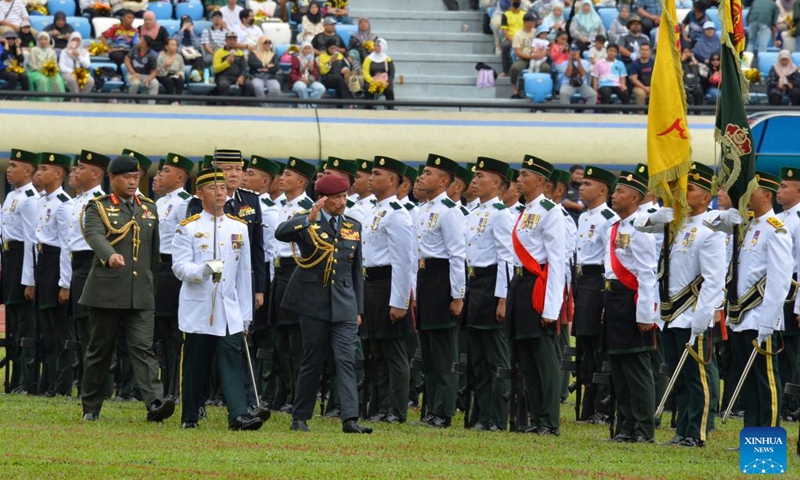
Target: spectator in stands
{"type": "Point", "coordinates": [264, 68]}
{"type": "Point", "coordinates": [711, 77]}
{"type": "Point", "coordinates": [523, 48]}
{"type": "Point", "coordinates": [334, 71]}
{"type": "Point", "coordinates": [42, 58]}
{"type": "Point", "coordinates": [304, 75]}
{"type": "Point", "coordinates": [12, 14]}
{"type": "Point", "coordinates": [230, 68]}
{"type": "Point", "coordinates": [340, 9]}
{"type": "Point", "coordinates": [230, 15]}
{"type": "Point", "coordinates": [247, 33]}
{"type": "Point", "coordinates": [692, 78]}
{"type": "Point", "coordinates": [762, 21]}
{"type": "Point", "coordinates": [59, 30]}
{"type": "Point", "coordinates": [640, 72]}
{"type": "Point", "coordinates": [171, 70]}
{"type": "Point", "coordinates": [213, 38]}
{"type": "Point", "coordinates": [650, 12]}
{"type": "Point", "coordinates": [572, 200]}
{"type": "Point", "coordinates": [559, 51]}
{"type": "Point", "coordinates": [73, 57]}
{"type": "Point", "coordinates": [27, 36]}
{"type": "Point", "coordinates": [189, 48]}
{"type": "Point", "coordinates": [542, 8]}
{"type": "Point", "coordinates": [120, 39]}
{"type": "Point", "coordinates": [574, 79]}
{"type": "Point", "coordinates": [142, 63]}
{"type": "Point", "coordinates": [359, 39]}
{"type": "Point", "coordinates": [693, 23]}
{"type": "Point", "coordinates": [284, 10]}
{"type": "Point", "coordinates": [610, 77]}
{"type": "Point", "coordinates": [10, 50]}
{"type": "Point", "coordinates": [586, 25]}
{"type": "Point", "coordinates": [619, 26]}
{"type": "Point", "coordinates": [598, 50]}
{"type": "Point", "coordinates": [629, 44]}
{"type": "Point", "coordinates": [157, 33]}
{"type": "Point", "coordinates": [783, 79]}
{"type": "Point", "coordinates": [795, 32]}
{"type": "Point", "coordinates": [88, 10]}
{"type": "Point", "coordinates": [555, 20]}
{"type": "Point", "coordinates": [321, 41]}
{"type": "Point", "coordinates": [511, 22]}
{"type": "Point", "coordinates": [785, 18]}
{"type": "Point", "coordinates": [312, 24]}
{"type": "Point", "coordinates": [708, 44]}
{"type": "Point", "coordinates": [138, 7]}
{"type": "Point", "coordinates": [379, 69]}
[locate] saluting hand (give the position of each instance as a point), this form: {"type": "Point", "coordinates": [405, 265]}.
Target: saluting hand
{"type": "Point", "coordinates": [116, 261]}
{"type": "Point", "coordinates": [313, 215]}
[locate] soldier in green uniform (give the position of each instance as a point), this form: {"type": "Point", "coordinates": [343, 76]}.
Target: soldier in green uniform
{"type": "Point", "coordinates": [122, 230]}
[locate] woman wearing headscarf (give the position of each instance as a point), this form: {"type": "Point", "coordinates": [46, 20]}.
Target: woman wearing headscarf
{"type": "Point", "coordinates": [263, 68]}
{"type": "Point", "coordinates": [783, 80]}
{"type": "Point", "coordinates": [156, 32]}
{"type": "Point", "coordinates": [43, 67]}
{"type": "Point", "coordinates": [707, 44]}
{"type": "Point", "coordinates": [555, 20]}
{"type": "Point", "coordinates": [619, 26]}
{"type": "Point", "coordinates": [59, 30]}
{"type": "Point", "coordinates": [72, 58]}
{"type": "Point", "coordinates": [542, 8]}
{"type": "Point", "coordinates": [586, 25]}
{"type": "Point", "coordinates": [304, 74]}
{"type": "Point", "coordinates": [170, 69]}
{"type": "Point", "coordinates": [189, 47]}
{"type": "Point", "coordinates": [358, 41]}
{"type": "Point", "coordinates": [335, 70]}
{"type": "Point", "coordinates": [378, 73]}
{"type": "Point", "coordinates": [312, 24]}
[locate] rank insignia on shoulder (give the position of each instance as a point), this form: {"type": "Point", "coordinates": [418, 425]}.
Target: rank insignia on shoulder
{"type": "Point", "coordinates": [237, 218]}
{"type": "Point", "coordinates": [184, 195]}
{"type": "Point", "coordinates": [306, 203]}
{"type": "Point", "coordinates": [448, 203]}
{"type": "Point", "coordinates": [566, 213]}
{"type": "Point", "coordinates": [30, 193]}
{"type": "Point", "coordinates": [775, 222]}
{"type": "Point", "coordinates": [547, 204]}
{"type": "Point", "coordinates": [395, 205]}
{"type": "Point", "coordinates": [652, 210]}
{"type": "Point", "coordinates": [350, 203]}
{"type": "Point", "coordinates": [63, 197]}
{"type": "Point", "coordinates": [500, 206]}
{"type": "Point", "coordinates": [464, 211]}
{"type": "Point", "coordinates": [189, 220]}
{"type": "Point", "coordinates": [607, 214]}
{"type": "Point", "coordinates": [520, 208]}
{"type": "Point", "coordinates": [268, 202]}
{"type": "Point", "coordinates": [410, 206]}
{"type": "Point", "coordinates": [98, 194]}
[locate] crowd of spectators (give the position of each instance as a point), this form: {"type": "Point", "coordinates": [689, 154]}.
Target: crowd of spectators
{"type": "Point", "coordinates": [232, 55]}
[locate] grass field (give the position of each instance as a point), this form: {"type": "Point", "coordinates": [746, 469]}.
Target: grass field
{"type": "Point", "coordinates": [46, 438]}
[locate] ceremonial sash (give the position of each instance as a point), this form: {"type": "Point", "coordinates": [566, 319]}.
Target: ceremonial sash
{"type": "Point", "coordinates": [624, 275]}
{"type": "Point", "coordinates": [531, 265]}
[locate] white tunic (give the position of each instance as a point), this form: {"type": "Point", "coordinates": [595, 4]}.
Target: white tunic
{"type": "Point", "coordinates": [171, 211]}
{"type": "Point", "coordinates": [440, 234]}
{"type": "Point", "coordinates": [488, 232]}
{"type": "Point", "coordinates": [52, 224]}
{"type": "Point", "coordinates": [593, 226]}
{"type": "Point", "coordinates": [791, 217]}
{"type": "Point", "coordinates": [19, 222]}
{"type": "Point", "coordinates": [288, 209]}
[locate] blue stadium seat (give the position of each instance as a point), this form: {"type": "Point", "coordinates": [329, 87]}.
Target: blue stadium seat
{"type": "Point", "coordinates": [38, 22]}
{"type": "Point", "coordinates": [608, 14]}
{"type": "Point", "coordinates": [280, 51]}
{"type": "Point", "coordinates": [346, 31]}
{"type": "Point", "coordinates": [796, 58]}
{"type": "Point", "coordinates": [172, 26]}
{"type": "Point", "coordinates": [66, 6]}
{"type": "Point", "coordinates": [713, 15]}
{"type": "Point", "coordinates": [81, 25]}
{"type": "Point", "coordinates": [765, 61]}
{"type": "Point", "coordinates": [200, 25]}
{"type": "Point", "coordinates": [193, 9]}
{"type": "Point", "coordinates": [163, 10]}
{"type": "Point", "coordinates": [538, 86]}
{"type": "Point", "coordinates": [745, 12]}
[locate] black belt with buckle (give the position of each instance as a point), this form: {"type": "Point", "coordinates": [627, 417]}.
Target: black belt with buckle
{"type": "Point", "coordinates": [13, 245]}
{"type": "Point", "coordinates": [45, 248]}
{"type": "Point", "coordinates": [82, 255]}
{"type": "Point", "coordinates": [590, 269]}
{"type": "Point", "coordinates": [523, 272]}
{"type": "Point", "coordinates": [166, 258]}
{"type": "Point", "coordinates": [475, 272]}
{"type": "Point", "coordinates": [378, 273]}
{"type": "Point", "coordinates": [428, 263]}
{"type": "Point", "coordinates": [285, 262]}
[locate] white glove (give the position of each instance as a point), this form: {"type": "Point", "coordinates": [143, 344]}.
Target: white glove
{"type": "Point", "coordinates": [247, 326]}
{"type": "Point", "coordinates": [696, 332]}
{"type": "Point", "coordinates": [731, 216]}
{"type": "Point", "coordinates": [662, 215]}
{"type": "Point", "coordinates": [764, 335]}
{"type": "Point", "coordinates": [213, 266]}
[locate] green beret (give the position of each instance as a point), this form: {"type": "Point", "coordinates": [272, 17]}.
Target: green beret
{"type": "Point", "coordinates": [208, 162]}
{"type": "Point", "coordinates": [472, 167]}
{"type": "Point", "coordinates": [25, 156]}
{"type": "Point", "coordinates": [209, 176]}
{"type": "Point", "coordinates": [600, 174]}
{"type": "Point", "coordinates": [513, 175]}
{"type": "Point", "coordinates": [486, 164]}
{"type": "Point", "coordinates": [245, 163]}
{"type": "Point", "coordinates": [364, 165]}
{"type": "Point", "coordinates": [302, 167]}
{"type": "Point", "coordinates": [634, 181]}
{"type": "Point", "coordinates": [411, 173]}
{"type": "Point", "coordinates": [643, 171]}
{"type": "Point", "coordinates": [144, 162]}
{"type": "Point", "coordinates": [442, 163]}
{"type": "Point", "coordinates": [537, 165]}
{"type": "Point", "coordinates": [75, 160]}
{"type": "Point", "coordinates": [387, 163]}
{"type": "Point", "coordinates": [702, 176]}
{"type": "Point", "coordinates": [161, 164]}
{"type": "Point", "coordinates": [420, 169]}
{"type": "Point", "coordinates": [560, 176]}
{"type": "Point", "coordinates": [123, 164]}
{"type": "Point", "coordinates": [175, 160]}
{"type": "Point", "coordinates": [92, 158]}
{"type": "Point", "coordinates": [322, 165]}
{"type": "Point", "coordinates": [790, 173]}
{"type": "Point", "coordinates": [348, 167]}
{"type": "Point", "coordinates": [769, 181]}
{"type": "Point", "coordinates": [281, 167]}
{"type": "Point", "coordinates": [265, 165]}
{"type": "Point", "coordinates": [464, 175]}
{"type": "Point", "coordinates": [48, 158]}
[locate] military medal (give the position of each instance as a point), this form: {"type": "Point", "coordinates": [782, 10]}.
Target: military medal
{"type": "Point", "coordinates": [482, 225]}
{"type": "Point", "coordinates": [47, 216]}
{"type": "Point", "coordinates": [591, 231]}
{"type": "Point", "coordinates": [432, 219]}
{"type": "Point", "coordinates": [13, 206]}
{"type": "Point", "coordinates": [169, 209]}
{"type": "Point", "coordinates": [237, 241]}
{"type": "Point", "coordinates": [755, 238]}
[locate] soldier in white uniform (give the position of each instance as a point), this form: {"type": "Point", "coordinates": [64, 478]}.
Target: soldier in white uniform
{"type": "Point", "coordinates": [412, 339]}
{"type": "Point", "coordinates": [536, 295]}
{"type": "Point", "coordinates": [171, 211]}
{"type": "Point", "coordinates": [42, 278]}
{"type": "Point", "coordinates": [211, 256]}
{"type": "Point", "coordinates": [696, 281]}
{"type": "Point", "coordinates": [440, 287]}
{"type": "Point", "coordinates": [490, 266]}
{"type": "Point", "coordinates": [460, 185]}
{"type": "Point", "coordinates": [360, 202]}
{"type": "Point", "coordinates": [509, 194]}
{"type": "Point", "coordinates": [789, 198]}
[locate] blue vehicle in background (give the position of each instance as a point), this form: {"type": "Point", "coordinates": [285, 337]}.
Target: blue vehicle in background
{"type": "Point", "coordinates": [776, 137]}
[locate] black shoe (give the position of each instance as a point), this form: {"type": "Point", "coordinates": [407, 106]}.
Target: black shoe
{"type": "Point", "coordinates": [377, 418]}
{"type": "Point", "coordinates": [547, 431]}
{"type": "Point", "coordinates": [427, 418]}
{"type": "Point", "coordinates": [598, 419]}
{"type": "Point", "coordinates": [676, 440]}
{"type": "Point", "coordinates": [245, 422]}
{"type": "Point", "coordinates": [119, 398]}
{"type": "Point", "coordinates": [91, 417]}
{"type": "Point", "coordinates": [691, 442]}
{"type": "Point", "coordinates": [49, 394]}
{"type": "Point", "coordinates": [620, 438]}
{"type": "Point", "coordinates": [494, 428]}
{"type": "Point", "coordinates": [352, 426]}
{"type": "Point", "coordinates": [189, 425]}
{"type": "Point", "coordinates": [201, 413]}
{"type": "Point", "coordinates": [333, 413]}
{"type": "Point", "coordinates": [286, 408]}
{"type": "Point", "coordinates": [158, 411]}
{"type": "Point", "coordinates": [439, 422]}
{"type": "Point", "coordinates": [298, 426]}
{"type": "Point", "coordinates": [529, 429]}
{"type": "Point", "coordinates": [261, 412]}
{"type": "Point", "coordinates": [392, 418]}
{"type": "Point", "coordinates": [479, 426]}
{"type": "Point", "coordinates": [641, 439]}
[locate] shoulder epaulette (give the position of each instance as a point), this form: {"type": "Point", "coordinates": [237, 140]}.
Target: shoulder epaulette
{"type": "Point", "coordinates": [247, 190]}
{"type": "Point", "coordinates": [373, 202]}
{"type": "Point", "coordinates": [63, 197]}
{"type": "Point", "coordinates": [268, 202]}
{"type": "Point", "coordinates": [500, 206]}
{"type": "Point", "coordinates": [565, 212]}
{"type": "Point", "coordinates": [98, 194]}
{"type": "Point", "coordinates": [283, 202]}
{"type": "Point", "coordinates": [350, 203]}
{"type": "Point", "coordinates": [547, 204]}
{"type": "Point", "coordinates": [395, 205]}
{"type": "Point", "coordinates": [464, 210]}
{"type": "Point", "coordinates": [146, 199]}
{"type": "Point", "coordinates": [306, 203]}
{"type": "Point", "coordinates": [30, 193]}
{"type": "Point", "coordinates": [448, 203]}
{"type": "Point", "coordinates": [520, 208]}
{"type": "Point", "coordinates": [652, 210]}
{"type": "Point", "coordinates": [775, 222]}
{"type": "Point", "coordinates": [607, 214]}
{"type": "Point", "coordinates": [798, 214]}
{"type": "Point", "coordinates": [184, 195]}
{"type": "Point", "coordinates": [410, 206]}
{"type": "Point", "coordinates": [187, 221]}
{"type": "Point", "coordinates": [235, 218]}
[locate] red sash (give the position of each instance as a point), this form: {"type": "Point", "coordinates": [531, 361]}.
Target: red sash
{"type": "Point", "coordinates": [623, 274]}
{"type": "Point", "coordinates": [531, 265]}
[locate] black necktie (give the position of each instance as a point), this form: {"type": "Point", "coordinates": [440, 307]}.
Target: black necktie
{"type": "Point", "coordinates": [333, 223]}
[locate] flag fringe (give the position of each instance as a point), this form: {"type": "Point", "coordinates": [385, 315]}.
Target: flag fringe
{"type": "Point", "coordinates": [724, 18]}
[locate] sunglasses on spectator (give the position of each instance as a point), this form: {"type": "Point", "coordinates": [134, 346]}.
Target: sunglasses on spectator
{"type": "Point", "coordinates": [267, 43]}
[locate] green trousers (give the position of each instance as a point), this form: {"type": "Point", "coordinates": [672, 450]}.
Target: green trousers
{"type": "Point", "coordinates": [789, 365]}
{"type": "Point", "coordinates": [542, 376]}
{"type": "Point", "coordinates": [439, 352]}
{"type": "Point", "coordinates": [289, 343]}
{"type": "Point", "coordinates": [393, 373]}
{"type": "Point", "coordinates": [171, 343]}
{"type": "Point", "coordinates": [56, 331]}
{"type": "Point", "coordinates": [660, 381]}
{"type": "Point", "coordinates": [265, 340]}
{"type": "Point", "coordinates": [761, 392]}
{"type": "Point", "coordinates": [634, 389]}
{"type": "Point", "coordinates": [562, 342]}
{"type": "Point", "coordinates": [22, 318]}
{"type": "Point", "coordinates": [692, 388]}
{"type": "Point", "coordinates": [488, 351]}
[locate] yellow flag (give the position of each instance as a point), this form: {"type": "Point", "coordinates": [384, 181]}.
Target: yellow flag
{"type": "Point", "coordinates": [669, 149]}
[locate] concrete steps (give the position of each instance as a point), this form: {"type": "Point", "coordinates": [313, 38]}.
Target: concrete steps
{"type": "Point", "coordinates": [383, 21]}
{"type": "Point", "coordinates": [451, 43]}
{"type": "Point", "coordinates": [442, 63]}
{"type": "Point", "coordinates": [406, 5]}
